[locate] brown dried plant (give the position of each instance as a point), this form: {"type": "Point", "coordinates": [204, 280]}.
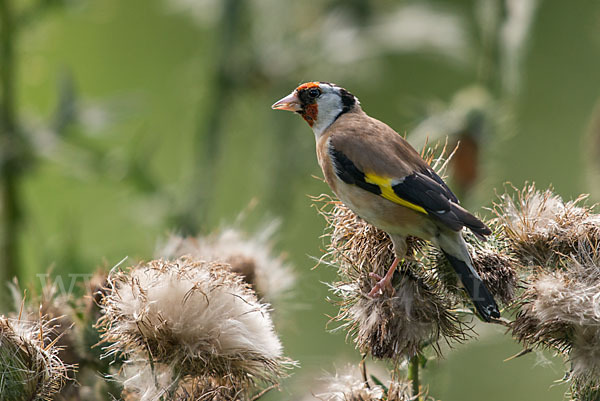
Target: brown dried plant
{"type": "Point", "coordinates": [558, 246]}
{"type": "Point", "coordinates": [30, 368]}
{"type": "Point", "coordinates": [350, 385]}
{"type": "Point", "coordinates": [541, 228]}
{"type": "Point", "coordinates": [198, 318]}
{"type": "Point", "coordinates": [144, 381]}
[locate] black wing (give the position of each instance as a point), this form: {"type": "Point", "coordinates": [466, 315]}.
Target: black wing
{"type": "Point", "coordinates": [429, 191]}
{"type": "Point", "coordinates": [347, 171]}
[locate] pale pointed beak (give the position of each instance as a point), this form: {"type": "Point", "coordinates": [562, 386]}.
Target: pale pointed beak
{"type": "Point", "coordinates": [290, 103]}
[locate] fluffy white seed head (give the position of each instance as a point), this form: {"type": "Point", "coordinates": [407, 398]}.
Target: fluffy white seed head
{"type": "Point", "coordinates": [560, 309]}
{"type": "Point", "coordinates": [349, 385]}
{"type": "Point", "coordinates": [252, 256]}
{"type": "Point", "coordinates": [541, 227]}
{"type": "Point", "coordinates": [197, 316]}
{"type": "Point", "coordinates": [398, 325]}
{"type": "Point", "coordinates": [143, 381]}
{"type": "Point", "coordinates": [585, 355]}
{"type": "Point", "coordinates": [571, 302]}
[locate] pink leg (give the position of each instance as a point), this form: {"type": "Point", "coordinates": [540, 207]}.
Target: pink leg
{"type": "Point", "coordinates": [385, 281]}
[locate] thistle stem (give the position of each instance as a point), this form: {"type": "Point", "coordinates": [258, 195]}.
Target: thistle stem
{"type": "Point", "coordinates": [413, 375]}
{"type": "Point", "coordinates": [210, 128]}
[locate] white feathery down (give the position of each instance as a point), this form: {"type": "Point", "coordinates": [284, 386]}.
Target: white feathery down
{"type": "Point", "coordinates": [396, 326]}
{"type": "Point", "coordinates": [349, 385]}
{"type": "Point", "coordinates": [147, 382]}
{"type": "Point", "coordinates": [585, 356]}
{"type": "Point", "coordinates": [538, 213]}
{"type": "Point", "coordinates": [571, 299]}
{"type": "Point", "coordinates": [545, 214]}
{"type": "Point", "coordinates": [143, 381]}
{"type": "Point", "coordinates": [541, 228]}
{"type": "Point", "coordinates": [572, 302]}
{"type": "Point", "coordinates": [196, 316]}
{"type": "Point", "coordinates": [249, 255]}
{"type": "Point", "coordinates": [560, 307]}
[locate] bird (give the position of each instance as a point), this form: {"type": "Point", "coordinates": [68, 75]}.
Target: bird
{"type": "Point", "coordinates": [378, 175]}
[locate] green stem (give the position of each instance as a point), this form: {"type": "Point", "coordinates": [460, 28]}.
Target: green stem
{"type": "Point", "coordinates": [489, 59]}
{"type": "Point", "coordinates": [210, 127]}
{"type": "Point", "coordinates": [9, 147]}
{"type": "Point", "coordinates": [413, 374]}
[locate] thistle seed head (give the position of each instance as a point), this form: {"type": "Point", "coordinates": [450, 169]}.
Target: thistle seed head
{"type": "Point", "coordinates": [394, 325]}
{"type": "Point", "coordinates": [540, 226]}
{"type": "Point", "coordinates": [143, 381]}
{"type": "Point", "coordinates": [349, 385]}
{"type": "Point", "coordinates": [197, 316]}
{"type": "Point", "coordinates": [560, 310]}
{"type": "Point", "coordinates": [251, 256]}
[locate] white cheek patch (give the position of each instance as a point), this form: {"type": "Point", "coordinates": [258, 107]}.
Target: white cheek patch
{"type": "Point", "coordinates": [330, 106]}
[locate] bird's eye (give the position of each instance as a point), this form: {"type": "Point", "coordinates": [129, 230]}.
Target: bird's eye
{"type": "Point", "coordinates": [314, 93]}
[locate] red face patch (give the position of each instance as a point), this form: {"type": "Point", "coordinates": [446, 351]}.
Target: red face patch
{"type": "Point", "coordinates": [308, 85]}
{"type": "Point", "coordinates": [310, 113]}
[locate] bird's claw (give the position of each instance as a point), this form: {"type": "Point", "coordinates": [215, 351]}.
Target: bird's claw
{"type": "Point", "coordinates": [382, 284]}
{"type": "Point", "coordinates": [376, 276]}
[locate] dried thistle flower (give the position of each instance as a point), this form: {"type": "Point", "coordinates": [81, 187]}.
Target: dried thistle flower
{"type": "Point", "coordinates": [540, 227]}
{"type": "Point", "coordinates": [196, 316]}
{"type": "Point", "coordinates": [559, 245]}
{"type": "Point", "coordinates": [194, 389]}
{"type": "Point", "coordinates": [143, 381]}
{"type": "Point", "coordinates": [393, 325]}
{"type": "Point", "coordinates": [30, 368]}
{"type": "Point", "coordinates": [71, 320]}
{"type": "Point", "coordinates": [560, 310]}
{"type": "Point", "coordinates": [542, 306]}
{"type": "Point", "coordinates": [56, 307]}
{"type": "Point", "coordinates": [349, 385]}
{"type": "Point", "coordinates": [251, 256]}
{"type": "Point", "coordinates": [585, 359]}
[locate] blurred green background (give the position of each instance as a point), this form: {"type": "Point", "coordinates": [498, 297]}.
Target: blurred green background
{"type": "Point", "coordinates": [142, 117]}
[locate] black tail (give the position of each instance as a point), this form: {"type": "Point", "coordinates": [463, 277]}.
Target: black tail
{"type": "Point", "coordinates": [482, 298]}
{"type": "Point", "coordinates": [477, 226]}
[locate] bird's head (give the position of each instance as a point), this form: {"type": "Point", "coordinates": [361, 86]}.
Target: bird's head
{"type": "Point", "coordinates": [319, 103]}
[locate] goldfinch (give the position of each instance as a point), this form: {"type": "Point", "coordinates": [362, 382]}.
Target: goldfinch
{"type": "Point", "coordinates": [382, 179]}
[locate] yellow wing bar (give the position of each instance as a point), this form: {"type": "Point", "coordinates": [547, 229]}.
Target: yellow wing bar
{"type": "Point", "coordinates": [385, 185]}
